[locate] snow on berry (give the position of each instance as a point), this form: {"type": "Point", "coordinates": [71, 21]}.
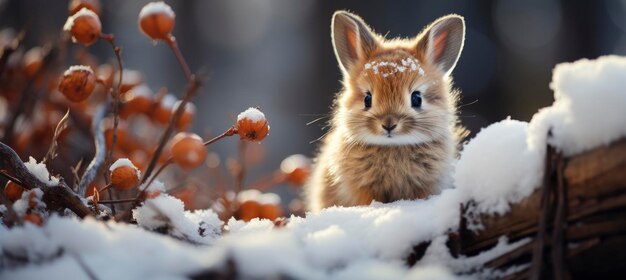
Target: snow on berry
{"type": "Point", "coordinates": [157, 20]}
{"type": "Point", "coordinates": [252, 125]}
{"type": "Point", "coordinates": [84, 26]}
{"type": "Point", "coordinates": [77, 83]}
{"type": "Point", "coordinates": [124, 162]}
{"type": "Point", "coordinates": [124, 174]}
{"type": "Point", "coordinates": [156, 8]}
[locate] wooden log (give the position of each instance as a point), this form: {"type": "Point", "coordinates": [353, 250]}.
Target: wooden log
{"type": "Point", "coordinates": [595, 180]}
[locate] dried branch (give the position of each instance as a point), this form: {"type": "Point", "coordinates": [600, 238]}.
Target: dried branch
{"type": "Point", "coordinates": [52, 150]}
{"type": "Point", "coordinates": [241, 172]}
{"type": "Point", "coordinates": [229, 132]}
{"type": "Point", "coordinates": [76, 177]}
{"type": "Point", "coordinates": [98, 158]}
{"type": "Point", "coordinates": [60, 196]}
{"type": "Point", "coordinates": [192, 89]}
{"type": "Point", "coordinates": [171, 42]}
{"type": "Point", "coordinates": [116, 100]}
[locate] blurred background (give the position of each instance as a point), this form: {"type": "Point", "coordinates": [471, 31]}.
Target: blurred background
{"type": "Point", "coordinates": [277, 54]}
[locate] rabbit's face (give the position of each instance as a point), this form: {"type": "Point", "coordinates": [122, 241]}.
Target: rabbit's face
{"type": "Point", "coordinates": [395, 99]}
{"type": "Point", "coordinates": [397, 91]}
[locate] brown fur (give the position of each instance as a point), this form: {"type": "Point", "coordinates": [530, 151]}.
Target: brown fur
{"type": "Point", "coordinates": [350, 170]}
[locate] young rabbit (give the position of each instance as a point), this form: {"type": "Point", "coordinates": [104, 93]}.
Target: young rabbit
{"type": "Point", "coordinates": [394, 129]}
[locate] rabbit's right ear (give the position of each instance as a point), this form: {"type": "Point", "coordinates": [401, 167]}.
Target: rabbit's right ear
{"type": "Point", "coordinates": [352, 39]}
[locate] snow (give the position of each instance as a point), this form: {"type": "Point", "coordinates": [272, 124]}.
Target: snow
{"type": "Point", "coordinates": [75, 68]}
{"type": "Point", "coordinates": [156, 8]}
{"type": "Point", "coordinates": [40, 170]}
{"type": "Point", "coordinates": [497, 167]}
{"type": "Point", "coordinates": [124, 162]}
{"type": "Point", "coordinates": [439, 254]}
{"type": "Point", "coordinates": [252, 114]}
{"type": "Point", "coordinates": [293, 162]}
{"type": "Point", "coordinates": [168, 101]}
{"type": "Point", "coordinates": [500, 166]}
{"type": "Point", "coordinates": [409, 64]}
{"type": "Point", "coordinates": [22, 205]}
{"type": "Point", "coordinates": [155, 186]}
{"type": "Point", "coordinates": [255, 195]}
{"type": "Point", "coordinates": [33, 55]}
{"type": "Point", "coordinates": [588, 109]}
{"type": "Point", "coordinates": [168, 211]}
{"type": "Point", "coordinates": [141, 90]}
{"type": "Point", "coordinates": [109, 250]}
{"type": "Point", "coordinates": [367, 242]}
{"type": "Point", "coordinates": [83, 12]}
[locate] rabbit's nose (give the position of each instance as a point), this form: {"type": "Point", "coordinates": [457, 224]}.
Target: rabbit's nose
{"type": "Point", "coordinates": [389, 126]}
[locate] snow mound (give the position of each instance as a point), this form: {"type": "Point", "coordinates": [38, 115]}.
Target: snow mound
{"type": "Point", "coordinates": [498, 168]}
{"type": "Point", "coordinates": [588, 109]}
{"type": "Point", "coordinates": [167, 212]}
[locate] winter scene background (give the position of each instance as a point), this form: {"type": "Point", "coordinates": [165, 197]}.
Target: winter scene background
{"type": "Point", "coordinates": [172, 140]}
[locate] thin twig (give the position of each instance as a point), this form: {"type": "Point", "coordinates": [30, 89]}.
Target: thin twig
{"type": "Point", "coordinates": [242, 167]}
{"type": "Point", "coordinates": [192, 89]}
{"type": "Point", "coordinates": [116, 101]}
{"type": "Point", "coordinates": [229, 132]}
{"type": "Point", "coordinates": [84, 266]}
{"type": "Point", "coordinates": [156, 174]}
{"type": "Point", "coordinates": [171, 42]}
{"type": "Point", "coordinates": [98, 158]}
{"type": "Point", "coordinates": [107, 187]}
{"type": "Point", "coordinates": [126, 200]}
{"type": "Point", "coordinates": [10, 177]}
{"type": "Point", "coordinates": [52, 150]}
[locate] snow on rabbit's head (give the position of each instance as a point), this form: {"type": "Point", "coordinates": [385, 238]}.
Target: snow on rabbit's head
{"type": "Point", "coordinates": [397, 91]}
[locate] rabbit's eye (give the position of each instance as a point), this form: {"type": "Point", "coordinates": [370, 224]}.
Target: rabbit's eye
{"type": "Point", "coordinates": [416, 99]}
{"type": "Point", "coordinates": [368, 100]}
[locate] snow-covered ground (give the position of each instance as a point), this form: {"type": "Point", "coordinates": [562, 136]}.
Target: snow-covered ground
{"type": "Point", "coordinates": [500, 166]}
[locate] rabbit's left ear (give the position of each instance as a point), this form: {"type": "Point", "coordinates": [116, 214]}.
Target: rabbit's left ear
{"type": "Point", "coordinates": [353, 40]}
{"type": "Point", "coordinates": [442, 42]}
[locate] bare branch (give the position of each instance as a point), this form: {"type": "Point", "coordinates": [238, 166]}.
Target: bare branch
{"type": "Point", "coordinates": [60, 196]}
{"type": "Point", "coordinates": [52, 150]}
{"type": "Point", "coordinates": [98, 158]}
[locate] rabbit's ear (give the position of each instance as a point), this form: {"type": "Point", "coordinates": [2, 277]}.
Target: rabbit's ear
{"type": "Point", "coordinates": [442, 42]}
{"type": "Point", "coordinates": [352, 39]}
